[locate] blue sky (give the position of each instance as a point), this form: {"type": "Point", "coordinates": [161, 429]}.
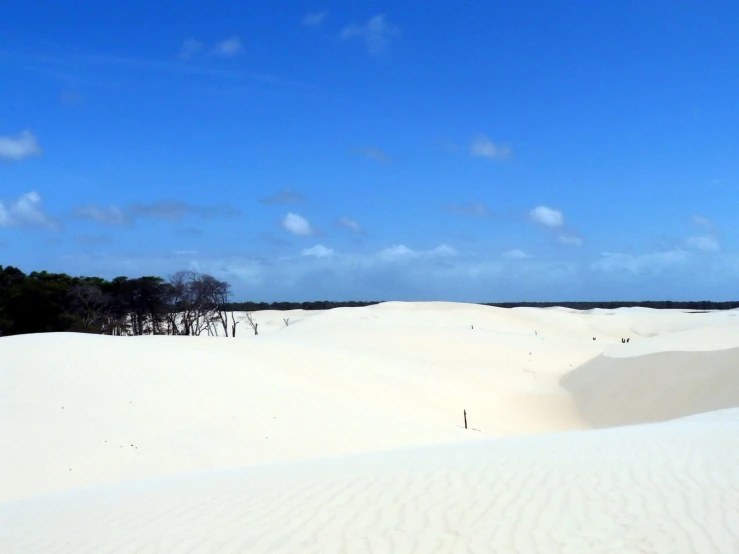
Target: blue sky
{"type": "Point", "coordinates": [470, 151]}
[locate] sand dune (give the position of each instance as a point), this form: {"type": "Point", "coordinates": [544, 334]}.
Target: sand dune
{"type": "Point", "coordinates": [654, 387]}
{"type": "Point", "coordinates": [670, 487]}
{"type": "Point", "coordinates": [274, 443]}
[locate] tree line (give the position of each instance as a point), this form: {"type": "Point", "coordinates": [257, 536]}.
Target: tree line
{"type": "Point", "coordinates": [187, 303]}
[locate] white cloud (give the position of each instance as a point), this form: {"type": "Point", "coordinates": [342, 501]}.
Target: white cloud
{"type": "Point", "coordinates": [570, 238]}
{"type": "Point", "coordinates": [400, 251]}
{"type": "Point", "coordinates": [185, 252]}
{"type": "Point", "coordinates": [516, 254]}
{"type": "Point", "coordinates": [376, 33]}
{"type": "Point", "coordinates": [24, 145]}
{"type": "Point", "coordinates": [111, 215]}
{"type": "Point", "coordinates": [26, 211]}
{"type": "Point", "coordinates": [554, 220]}
{"type": "Point", "coordinates": [704, 243]}
{"type": "Point", "coordinates": [313, 19]}
{"type": "Point", "coordinates": [483, 147]}
{"type": "Point", "coordinates": [400, 273]}
{"type": "Point", "coordinates": [228, 47]}
{"type": "Point", "coordinates": [318, 251]}
{"type": "Point", "coordinates": [636, 264]}
{"type": "Point", "coordinates": [708, 242]}
{"type": "Point", "coordinates": [297, 225]}
{"type": "Point", "coordinates": [350, 224]}
{"type": "Point", "coordinates": [396, 251]}
{"type": "Point", "coordinates": [548, 217]}
{"type": "Point", "coordinates": [190, 48]}
{"type": "Point", "coordinates": [443, 250]}
{"type": "Point", "coordinates": [703, 222]}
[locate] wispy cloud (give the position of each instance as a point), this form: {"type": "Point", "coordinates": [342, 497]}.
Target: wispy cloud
{"type": "Point", "coordinates": [318, 251]}
{"type": "Point", "coordinates": [190, 48]}
{"type": "Point", "coordinates": [474, 209]}
{"type": "Point", "coordinates": [401, 272]}
{"type": "Point", "coordinates": [313, 19]}
{"type": "Point", "coordinates": [349, 223]}
{"type": "Point", "coordinates": [228, 47]}
{"type": "Point", "coordinates": [92, 239]}
{"type": "Point", "coordinates": [70, 98]}
{"type": "Point", "coordinates": [190, 231]}
{"type": "Point", "coordinates": [376, 33]}
{"type": "Point", "coordinates": [450, 145]}
{"type": "Point", "coordinates": [107, 215]}
{"type": "Point", "coordinates": [402, 252]}
{"type": "Point", "coordinates": [284, 196]}
{"type": "Point", "coordinates": [516, 254]}
{"type": "Point", "coordinates": [375, 154]}
{"type": "Point", "coordinates": [26, 211]}
{"type": "Point", "coordinates": [71, 69]}
{"type": "Point", "coordinates": [167, 210]}
{"type": "Point", "coordinates": [708, 242]}
{"type": "Point", "coordinates": [704, 243]}
{"type": "Point", "coordinates": [702, 222]}
{"type": "Point", "coordinates": [23, 145]}
{"type": "Point", "coordinates": [635, 264]}
{"type": "Point", "coordinates": [481, 146]}
{"type": "Point", "coordinates": [297, 225]}
{"type": "Point", "coordinates": [176, 210]}
{"type": "Point", "coordinates": [571, 238]}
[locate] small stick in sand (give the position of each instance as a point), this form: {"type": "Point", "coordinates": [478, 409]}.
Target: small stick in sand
{"type": "Point", "coordinates": [465, 419]}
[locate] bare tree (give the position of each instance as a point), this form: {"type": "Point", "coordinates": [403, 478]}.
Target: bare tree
{"type": "Point", "coordinates": [91, 305]}
{"type": "Point", "coordinates": [198, 303]}
{"type": "Point", "coordinates": [234, 323]}
{"type": "Point", "coordinates": [219, 292]}
{"type": "Point", "coordinates": [287, 321]}
{"type": "Point", "coordinates": [178, 313]}
{"type": "Point", "coordinates": [249, 317]}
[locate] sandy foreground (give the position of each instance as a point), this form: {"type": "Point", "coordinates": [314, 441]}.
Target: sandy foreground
{"type": "Point", "coordinates": [343, 432]}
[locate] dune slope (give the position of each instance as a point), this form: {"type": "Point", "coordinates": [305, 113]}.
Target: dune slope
{"type": "Point", "coordinates": [654, 387]}
{"type": "Point", "coordinates": [669, 487]}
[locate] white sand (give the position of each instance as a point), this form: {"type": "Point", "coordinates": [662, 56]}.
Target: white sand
{"type": "Point", "coordinates": [221, 429]}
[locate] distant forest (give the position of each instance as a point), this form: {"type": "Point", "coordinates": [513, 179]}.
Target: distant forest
{"type": "Point", "coordinates": [187, 303]}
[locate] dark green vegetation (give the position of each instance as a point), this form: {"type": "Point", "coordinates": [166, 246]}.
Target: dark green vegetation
{"type": "Point", "coordinates": [188, 303]}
